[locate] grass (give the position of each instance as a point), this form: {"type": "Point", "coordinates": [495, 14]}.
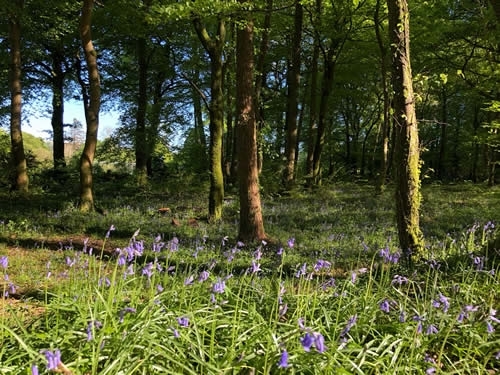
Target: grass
{"type": "Point", "coordinates": [186, 299]}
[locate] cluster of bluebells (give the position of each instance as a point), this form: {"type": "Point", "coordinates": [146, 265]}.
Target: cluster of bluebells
{"type": "Point", "coordinates": [388, 256]}
{"type": "Point", "coordinates": [11, 288]}
{"type": "Point", "coordinates": [311, 338]}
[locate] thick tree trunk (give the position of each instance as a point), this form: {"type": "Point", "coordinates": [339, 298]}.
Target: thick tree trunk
{"type": "Point", "coordinates": [293, 81]}
{"type": "Point", "coordinates": [215, 50]}
{"type": "Point", "coordinates": [21, 180]}
{"type": "Point", "coordinates": [141, 153]}
{"type": "Point", "coordinates": [251, 226]}
{"type": "Point", "coordinates": [57, 120]}
{"type": "Point", "coordinates": [406, 152]}
{"type": "Point", "coordinates": [92, 102]}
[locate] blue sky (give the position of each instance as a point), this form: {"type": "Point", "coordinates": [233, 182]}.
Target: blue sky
{"type": "Point", "coordinates": [36, 124]}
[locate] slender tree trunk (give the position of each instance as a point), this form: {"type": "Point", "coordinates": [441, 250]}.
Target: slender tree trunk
{"type": "Point", "coordinates": [407, 148]}
{"type": "Point", "coordinates": [261, 80]}
{"type": "Point", "coordinates": [444, 136]}
{"type": "Point", "coordinates": [92, 103]}
{"type": "Point", "coordinates": [384, 149]}
{"type": "Point", "coordinates": [215, 50]}
{"type": "Point", "coordinates": [57, 120]}
{"type": "Point", "coordinates": [251, 226]}
{"type": "Point", "coordinates": [21, 180]}
{"type": "Point", "coordinates": [141, 153]}
{"type": "Point", "coordinates": [293, 82]}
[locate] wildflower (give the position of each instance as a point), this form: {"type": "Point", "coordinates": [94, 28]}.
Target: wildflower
{"type": "Point", "coordinates": [430, 370]}
{"type": "Point", "coordinates": [280, 251]}
{"type": "Point", "coordinates": [353, 277]}
{"type": "Point", "coordinates": [350, 323]}
{"type": "Point", "coordinates": [4, 262]}
{"type": "Point", "coordinates": [384, 306]}
{"type": "Point", "coordinates": [189, 280]}
{"type": "Point", "coordinates": [104, 281]}
{"type": "Point", "coordinates": [255, 267]}
{"type": "Point", "coordinates": [301, 271]}
{"type": "Point", "coordinates": [402, 317]}
{"type": "Point", "coordinates": [418, 319]}
{"type": "Point", "coordinates": [497, 356]}
{"type": "Point", "coordinates": [307, 341]}
{"type": "Point", "coordinates": [203, 276]}
{"type": "Point", "coordinates": [183, 321]}
{"type": "Point", "coordinates": [282, 310]}
{"type": "Point", "coordinates": [257, 255]}
{"type": "Point", "coordinates": [399, 280]}
{"type": "Point", "coordinates": [492, 316]}
{"type": "Point", "coordinates": [389, 257]}
{"type": "Point", "coordinates": [53, 359]}
{"type": "Point", "coordinates": [126, 310]}
{"type": "Point", "coordinates": [283, 363]}
{"type": "Point", "coordinates": [173, 245]}
{"type": "Point", "coordinates": [157, 244]}
{"type": "Point", "coordinates": [431, 330]}
{"type": "Point", "coordinates": [319, 342]}
{"type": "Point", "coordinates": [219, 286]}
{"type": "Point", "coordinates": [148, 270]}
{"type": "Point", "coordinates": [111, 228]}
{"type": "Point", "coordinates": [291, 242]}
{"type": "Point", "coordinates": [34, 370]}
{"type": "Point", "coordinates": [159, 288]}
{"type": "Point", "coordinates": [90, 327]}
{"type": "Point", "coordinates": [489, 327]}
{"type": "Point", "coordinates": [320, 264]}
{"type": "Point", "coordinates": [301, 323]}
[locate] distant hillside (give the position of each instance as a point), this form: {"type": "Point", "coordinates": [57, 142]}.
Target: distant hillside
{"type": "Point", "coordinates": [40, 149]}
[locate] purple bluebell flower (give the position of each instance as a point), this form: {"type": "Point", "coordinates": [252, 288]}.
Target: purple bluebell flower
{"type": "Point", "coordinates": [291, 242]}
{"type": "Point", "coordinates": [302, 271]}
{"type": "Point", "coordinates": [489, 327]}
{"type": "Point", "coordinates": [257, 255]}
{"type": "Point", "coordinates": [204, 275]}
{"type": "Point", "coordinates": [159, 288]}
{"type": "Point", "coordinates": [497, 356]}
{"type": "Point", "coordinates": [53, 359]}
{"type": "Point", "coordinates": [91, 326]}
{"type": "Point", "coordinates": [492, 316]}
{"type": "Point", "coordinates": [34, 370]}
{"type": "Point", "coordinates": [183, 321]}
{"type": "Point", "coordinates": [307, 341]}
{"type": "Point", "coordinates": [385, 306]}
{"type": "Point", "coordinates": [148, 270]}
{"type": "Point", "coordinates": [321, 264]}
{"type": "Point", "coordinates": [301, 323]}
{"type": "Point", "coordinates": [219, 286]}
{"type": "Point", "coordinates": [282, 310]}
{"type": "Point", "coordinates": [111, 228]}
{"type": "Point", "coordinates": [104, 281]}
{"type": "Point", "coordinates": [431, 330]}
{"type": "Point", "coordinates": [319, 342]}
{"type": "Point", "coordinates": [283, 362]}
{"type": "Point", "coordinates": [402, 316]}
{"type": "Point", "coordinates": [255, 267]}
{"type": "Point", "coordinates": [419, 321]}
{"type": "Point", "coordinates": [175, 333]}
{"type": "Point", "coordinates": [350, 323]}
{"type": "Point", "coordinates": [280, 250]}
{"type": "Point", "coordinates": [399, 280]}
{"type": "Point", "coordinates": [173, 245]}
{"type": "Point", "coordinates": [126, 310]}
{"type": "Point", "coordinates": [158, 245]}
{"type": "Point", "coordinates": [189, 280]}
{"type": "Point", "coordinates": [430, 370]}
{"type": "Point", "coordinates": [4, 262]}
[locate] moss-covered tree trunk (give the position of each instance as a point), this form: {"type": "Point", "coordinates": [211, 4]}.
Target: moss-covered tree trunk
{"type": "Point", "coordinates": [406, 153]}
{"type": "Point", "coordinates": [92, 102]}
{"type": "Point", "coordinates": [214, 48]}
{"type": "Point", "coordinates": [141, 154]}
{"type": "Point", "coordinates": [251, 222]}
{"type": "Point", "coordinates": [20, 180]}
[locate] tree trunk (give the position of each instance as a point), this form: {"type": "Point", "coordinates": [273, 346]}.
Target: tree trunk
{"type": "Point", "coordinates": [406, 152]}
{"type": "Point", "coordinates": [141, 153]}
{"type": "Point", "coordinates": [251, 226]}
{"type": "Point", "coordinates": [443, 140]}
{"type": "Point", "coordinates": [313, 104]}
{"type": "Point", "coordinates": [215, 50]}
{"type": "Point", "coordinates": [293, 82]}
{"type": "Point", "coordinates": [92, 102]}
{"type": "Point", "coordinates": [384, 149]}
{"type": "Point", "coordinates": [57, 120]}
{"type": "Point", "coordinates": [21, 180]}
{"type": "Point", "coordinates": [261, 80]}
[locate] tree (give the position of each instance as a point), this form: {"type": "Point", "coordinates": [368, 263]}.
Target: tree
{"type": "Point", "coordinates": [21, 179]}
{"type": "Point", "coordinates": [251, 222]}
{"type": "Point", "coordinates": [215, 48]}
{"type": "Point", "coordinates": [293, 82]}
{"type": "Point", "coordinates": [406, 153]}
{"type": "Point", "coordinates": [91, 102]}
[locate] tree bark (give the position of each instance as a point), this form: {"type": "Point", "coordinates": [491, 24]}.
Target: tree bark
{"type": "Point", "coordinates": [293, 80]}
{"type": "Point", "coordinates": [215, 49]}
{"type": "Point", "coordinates": [384, 149]}
{"type": "Point", "coordinates": [57, 120]}
{"type": "Point", "coordinates": [92, 103]}
{"type": "Point", "coordinates": [251, 226]}
{"type": "Point", "coordinates": [406, 153]}
{"type": "Point", "coordinates": [21, 179]}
